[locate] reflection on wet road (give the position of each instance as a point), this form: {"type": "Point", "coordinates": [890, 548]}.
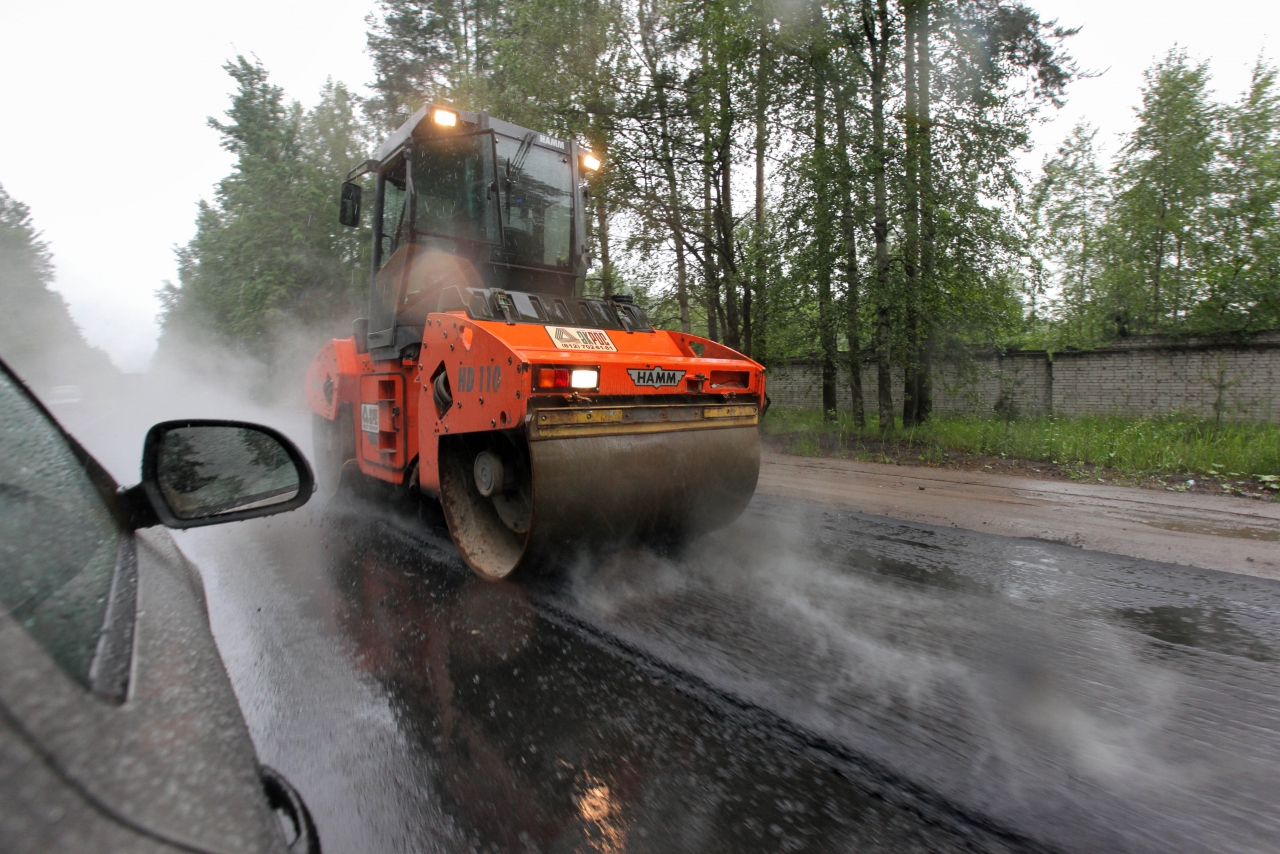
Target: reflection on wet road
{"type": "Point", "coordinates": [807, 680]}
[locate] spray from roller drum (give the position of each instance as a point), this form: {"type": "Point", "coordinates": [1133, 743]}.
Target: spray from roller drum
{"type": "Point", "coordinates": [541, 419]}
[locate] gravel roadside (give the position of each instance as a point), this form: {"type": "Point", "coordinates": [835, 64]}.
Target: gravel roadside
{"type": "Point", "coordinates": [1210, 531]}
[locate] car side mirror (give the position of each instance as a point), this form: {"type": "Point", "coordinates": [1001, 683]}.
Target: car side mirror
{"type": "Point", "coordinates": [199, 472]}
{"type": "Point", "coordinates": [349, 205]}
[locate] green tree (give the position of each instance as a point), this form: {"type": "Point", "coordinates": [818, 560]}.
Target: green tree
{"type": "Point", "coordinates": [38, 338]}
{"type": "Point", "coordinates": [685, 98]}
{"type": "Point", "coordinates": [269, 258]}
{"type": "Point", "coordinates": [1068, 210]}
{"type": "Point", "coordinates": [1241, 286]}
{"type": "Point", "coordinates": [1159, 226]}
{"type": "Point", "coordinates": [424, 50]}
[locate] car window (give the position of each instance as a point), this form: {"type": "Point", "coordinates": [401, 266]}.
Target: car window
{"type": "Point", "coordinates": [58, 541]}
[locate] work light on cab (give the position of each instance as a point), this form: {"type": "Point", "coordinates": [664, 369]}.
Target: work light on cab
{"type": "Point", "coordinates": [591, 162]}
{"type": "Point", "coordinates": [444, 118]}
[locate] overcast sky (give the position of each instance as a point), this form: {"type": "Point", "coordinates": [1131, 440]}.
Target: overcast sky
{"type": "Point", "coordinates": [103, 108]}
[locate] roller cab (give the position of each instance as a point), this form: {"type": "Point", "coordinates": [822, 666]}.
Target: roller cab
{"type": "Point", "coordinates": [543, 421]}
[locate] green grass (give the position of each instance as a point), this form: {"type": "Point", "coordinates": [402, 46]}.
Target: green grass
{"type": "Point", "coordinates": [1142, 446]}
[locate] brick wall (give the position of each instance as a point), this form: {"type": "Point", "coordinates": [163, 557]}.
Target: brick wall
{"type": "Point", "coordinates": [1140, 376]}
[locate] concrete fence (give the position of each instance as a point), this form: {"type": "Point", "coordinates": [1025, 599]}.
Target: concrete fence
{"type": "Point", "coordinates": [1238, 380]}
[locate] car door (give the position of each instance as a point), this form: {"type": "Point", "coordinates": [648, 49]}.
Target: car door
{"type": "Point", "coordinates": [119, 729]}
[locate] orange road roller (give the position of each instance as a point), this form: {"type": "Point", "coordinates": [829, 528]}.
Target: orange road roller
{"type": "Point", "coordinates": [541, 419]}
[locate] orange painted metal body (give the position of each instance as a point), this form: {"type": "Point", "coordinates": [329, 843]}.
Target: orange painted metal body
{"type": "Point", "coordinates": [489, 366]}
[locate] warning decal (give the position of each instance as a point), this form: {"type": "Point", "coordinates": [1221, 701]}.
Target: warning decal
{"type": "Point", "coordinates": [369, 417]}
{"type": "Point", "coordinates": [574, 338]}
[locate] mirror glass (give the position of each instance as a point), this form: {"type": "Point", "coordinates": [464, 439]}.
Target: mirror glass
{"type": "Point", "coordinates": [205, 471]}
{"type": "Point", "coordinates": [349, 207]}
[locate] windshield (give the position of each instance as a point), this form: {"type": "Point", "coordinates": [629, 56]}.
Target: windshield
{"type": "Point", "coordinates": [451, 180]}
{"type": "Point", "coordinates": [537, 205]}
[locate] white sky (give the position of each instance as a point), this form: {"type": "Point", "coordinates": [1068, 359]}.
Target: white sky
{"type": "Point", "coordinates": [103, 134]}
{"type": "Point", "coordinates": [103, 108]}
{"type": "Point", "coordinates": [1123, 38]}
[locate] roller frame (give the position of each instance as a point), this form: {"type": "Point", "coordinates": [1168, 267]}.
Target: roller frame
{"type": "Point", "coordinates": [683, 450]}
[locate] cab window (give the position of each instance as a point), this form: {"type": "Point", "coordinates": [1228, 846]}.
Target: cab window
{"type": "Point", "coordinates": [393, 222]}
{"type": "Point", "coordinates": [452, 177]}
{"type": "Point", "coordinates": [537, 204]}
{"type": "Point", "coordinates": [394, 211]}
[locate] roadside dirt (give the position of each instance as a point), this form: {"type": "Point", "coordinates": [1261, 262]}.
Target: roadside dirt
{"type": "Point", "coordinates": [1222, 532]}
{"type": "Point", "coordinates": [897, 453]}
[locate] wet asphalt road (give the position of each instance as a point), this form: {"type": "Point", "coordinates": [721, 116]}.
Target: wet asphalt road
{"type": "Point", "coordinates": [806, 680]}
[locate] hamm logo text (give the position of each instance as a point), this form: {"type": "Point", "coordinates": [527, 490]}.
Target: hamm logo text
{"type": "Point", "coordinates": [655, 377]}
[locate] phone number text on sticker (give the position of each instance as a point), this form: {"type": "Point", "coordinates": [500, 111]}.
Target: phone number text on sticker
{"type": "Point", "coordinates": [573, 338]}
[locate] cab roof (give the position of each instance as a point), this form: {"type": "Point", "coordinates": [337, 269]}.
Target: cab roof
{"type": "Point", "coordinates": [481, 120]}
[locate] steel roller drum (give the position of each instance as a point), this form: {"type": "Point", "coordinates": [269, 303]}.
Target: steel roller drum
{"type": "Point", "coordinates": [659, 487]}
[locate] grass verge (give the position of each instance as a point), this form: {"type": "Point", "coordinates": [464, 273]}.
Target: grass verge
{"type": "Point", "coordinates": [1170, 452]}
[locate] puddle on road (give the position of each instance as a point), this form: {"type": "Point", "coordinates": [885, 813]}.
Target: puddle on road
{"type": "Point", "coordinates": [933, 573]}
{"type": "Point", "coordinates": [1239, 532]}
{"type": "Point", "coordinates": [1200, 626]}
{"type": "Point", "coordinates": [940, 576]}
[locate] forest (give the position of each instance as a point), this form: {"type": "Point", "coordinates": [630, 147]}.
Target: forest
{"type": "Point", "coordinates": [38, 338]}
{"type": "Point", "coordinates": [831, 180]}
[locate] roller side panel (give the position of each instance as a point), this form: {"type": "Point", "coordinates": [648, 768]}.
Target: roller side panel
{"type": "Point", "coordinates": [333, 377]}
{"type": "Point", "coordinates": [487, 379]}
{"type": "Point", "coordinates": [486, 383]}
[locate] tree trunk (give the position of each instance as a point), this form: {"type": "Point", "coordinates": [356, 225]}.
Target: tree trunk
{"type": "Point", "coordinates": [1155, 281]}
{"type": "Point", "coordinates": [602, 228]}
{"type": "Point", "coordinates": [675, 211]}
{"type": "Point", "coordinates": [724, 207]}
{"type": "Point", "coordinates": [928, 228]}
{"type": "Point", "coordinates": [676, 214]}
{"type": "Point", "coordinates": [849, 230]}
{"type": "Point", "coordinates": [710, 274]}
{"type": "Point", "coordinates": [754, 312]}
{"type": "Point", "coordinates": [876, 27]}
{"type": "Point", "coordinates": [682, 281]}
{"type": "Point", "coordinates": [911, 212]}
{"type": "Point", "coordinates": [822, 221]}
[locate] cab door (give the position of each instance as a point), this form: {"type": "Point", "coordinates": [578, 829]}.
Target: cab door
{"type": "Point", "coordinates": [393, 246]}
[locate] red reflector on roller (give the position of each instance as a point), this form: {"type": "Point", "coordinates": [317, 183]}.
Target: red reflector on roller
{"type": "Point", "coordinates": [551, 378]}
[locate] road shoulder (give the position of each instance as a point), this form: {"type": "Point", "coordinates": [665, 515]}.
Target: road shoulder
{"type": "Point", "coordinates": [1209, 531]}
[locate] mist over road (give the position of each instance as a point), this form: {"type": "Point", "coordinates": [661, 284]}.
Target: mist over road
{"type": "Point", "coordinates": [809, 679]}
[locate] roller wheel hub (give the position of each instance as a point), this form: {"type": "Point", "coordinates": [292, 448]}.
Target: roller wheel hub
{"type": "Point", "coordinates": [488, 473]}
